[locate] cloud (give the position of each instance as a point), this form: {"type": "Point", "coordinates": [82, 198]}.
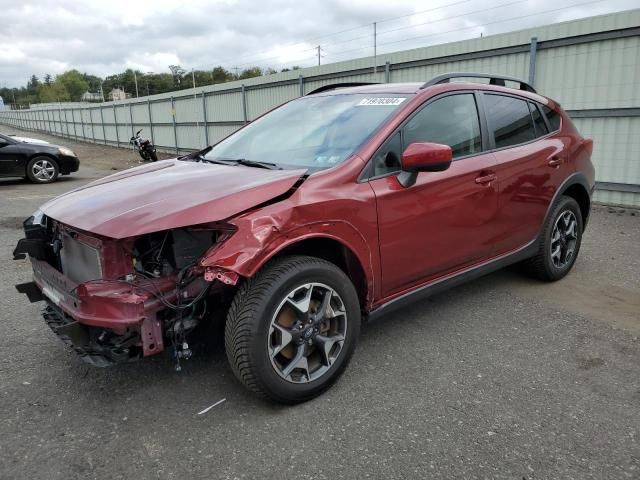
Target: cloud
{"type": "Point", "coordinates": [102, 38]}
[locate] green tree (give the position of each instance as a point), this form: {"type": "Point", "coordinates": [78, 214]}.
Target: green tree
{"type": "Point", "coordinates": [52, 93]}
{"type": "Point", "coordinates": [32, 85]}
{"type": "Point", "coordinates": [92, 81]}
{"type": "Point", "coordinates": [74, 83]}
{"type": "Point", "coordinates": [47, 79]}
{"type": "Point", "coordinates": [250, 73]}
{"type": "Point", "coordinates": [221, 75]}
{"type": "Point", "coordinates": [177, 72]}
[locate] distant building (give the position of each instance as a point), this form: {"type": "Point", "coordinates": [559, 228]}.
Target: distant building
{"type": "Point", "coordinates": [91, 97]}
{"type": "Point", "coordinates": [1, 104]}
{"type": "Point", "coordinates": [117, 94]}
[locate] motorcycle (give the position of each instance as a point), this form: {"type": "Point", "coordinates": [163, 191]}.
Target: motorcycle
{"type": "Point", "coordinates": [146, 149]}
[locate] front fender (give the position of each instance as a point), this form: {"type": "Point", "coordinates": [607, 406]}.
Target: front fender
{"type": "Point", "coordinates": [260, 239]}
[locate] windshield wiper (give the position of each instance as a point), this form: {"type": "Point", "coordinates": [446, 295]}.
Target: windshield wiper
{"type": "Point", "coordinates": [253, 163]}
{"type": "Point", "coordinates": [238, 161]}
{"type": "Point", "coordinates": [249, 163]}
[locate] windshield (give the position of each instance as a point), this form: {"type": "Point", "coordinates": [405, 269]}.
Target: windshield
{"type": "Point", "coordinates": [311, 132]}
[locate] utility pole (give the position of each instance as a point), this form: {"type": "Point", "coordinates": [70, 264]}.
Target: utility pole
{"type": "Point", "coordinates": [375, 63]}
{"type": "Point", "coordinates": [236, 69]}
{"type": "Point", "coordinates": [318, 55]}
{"type": "Point", "coordinates": [193, 79]}
{"type": "Point", "coordinates": [135, 79]}
{"type": "Point", "coordinates": [102, 91]}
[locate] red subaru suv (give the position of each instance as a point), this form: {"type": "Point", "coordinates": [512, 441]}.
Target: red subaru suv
{"type": "Point", "coordinates": [333, 208]}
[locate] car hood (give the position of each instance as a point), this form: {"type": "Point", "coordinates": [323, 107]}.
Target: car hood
{"type": "Point", "coordinates": [167, 194]}
{"type": "Point", "coordinates": [30, 140]}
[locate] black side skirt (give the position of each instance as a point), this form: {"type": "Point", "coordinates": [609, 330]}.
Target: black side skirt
{"type": "Point", "coordinates": [446, 283]}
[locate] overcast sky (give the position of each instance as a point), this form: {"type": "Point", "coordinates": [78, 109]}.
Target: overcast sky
{"type": "Point", "coordinates": [108, 36]}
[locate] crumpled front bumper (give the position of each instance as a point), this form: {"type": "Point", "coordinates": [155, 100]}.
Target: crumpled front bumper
{"type": "Point", "coordinates": [89, 310]}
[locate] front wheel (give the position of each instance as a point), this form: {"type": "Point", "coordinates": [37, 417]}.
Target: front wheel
{"type": "Point", "coordinates": [560, 243]}
{"type": "Point", "coordinates": [292, 329]}
{"type": "Point", "coordinates": [144, 155]}
{"type": "Point", "coordinates": [42, 170]}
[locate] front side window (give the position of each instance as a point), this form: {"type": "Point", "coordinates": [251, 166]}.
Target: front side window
{"type": "Point", "coordinates": [509, 119]}
{"type": "Point", "coordinates": [310, 132]}
{"type": "Point", "coordinates": [451, 120]}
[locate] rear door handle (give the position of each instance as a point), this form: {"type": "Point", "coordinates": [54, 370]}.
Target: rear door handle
{"type": "Point", "coordinates": [486, 178]}
{"type": "Point", "coordinates": [555, 162]}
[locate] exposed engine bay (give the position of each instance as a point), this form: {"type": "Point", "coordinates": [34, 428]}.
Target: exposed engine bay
{"type": "Point", "coordinates": [116, 300]}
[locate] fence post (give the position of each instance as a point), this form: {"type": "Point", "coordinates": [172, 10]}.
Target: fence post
{"type": "Point", "coordinates": [244, 103]}
{"type": "Point", "coordinates": [387, 72]}
{"type": "Point", "coordinates": [93, 131]}
{"type": "Point", "coordinates": [131, 119]}
{"type": "Point", "coordinates": [301, 85]}
{"type": "Point", "coordinates": [104, 135]}
{"type": "Point", "coordinates": [84, 135]}
{"type": "Point", "coordinates": [115, 121]}
{"type": "Point", "coordinates": [150, 121]}
{"type": "Point", "coordinates": [73, 119]}
{"type": "Point", "coordinates": [60, 119]}
{"type": "Point", "coordinates": [173, 120]}
{"type": "Point", "coordinates": [533, 50]}
{"type": "Point", "coordinates": [204, 119]}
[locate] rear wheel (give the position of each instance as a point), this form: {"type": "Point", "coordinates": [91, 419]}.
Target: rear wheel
{"type": "Point", "coordinates": [560, 242]}
{"type": "Point", "coordinates": [292, 329]}
{"type": "Point", "coordinates": [42, 170]}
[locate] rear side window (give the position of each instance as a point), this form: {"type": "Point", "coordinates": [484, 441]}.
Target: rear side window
{"type": "Point", "coordinates": [553, 117]}
{"type": "Point", "coordinates": [451, 120]}
{"type": "Point", "coordinates": [538, 120]}
{"type": "Point", "coordinates": [509, 119]}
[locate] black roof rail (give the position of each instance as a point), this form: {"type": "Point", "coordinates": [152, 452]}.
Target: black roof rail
{"type": "Point", "coordinates": [333, 86]}
{"type": "Point", "coordinates": [493, 80]}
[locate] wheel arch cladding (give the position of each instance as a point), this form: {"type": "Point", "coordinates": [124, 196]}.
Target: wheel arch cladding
{"type": "Point", "coordinates": [579, 193]}
{"type": "Point", "coordinates": [335, 252]}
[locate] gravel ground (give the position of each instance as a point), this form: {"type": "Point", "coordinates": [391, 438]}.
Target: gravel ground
{"type": "Point", "coordinates": [503, 377]}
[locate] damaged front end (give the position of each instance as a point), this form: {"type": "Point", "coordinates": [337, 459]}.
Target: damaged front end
{"type": "Point", "coordinates": [116, 300]}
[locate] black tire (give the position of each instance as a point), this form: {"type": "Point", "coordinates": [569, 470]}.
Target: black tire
{"type": "Point", "coordinates": [153, 156]}
{"type": "Point", "coordinates": [42, 170]}
{"type": "Point", "coordinates": [544, 266]}
{"type": "Point", "coordinates": [144, 155]}
{"type": "Point", "coordinates": [249, 321]}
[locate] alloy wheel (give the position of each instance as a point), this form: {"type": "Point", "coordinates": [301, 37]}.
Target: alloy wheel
{"type": "Point", "coordinates": [563, 239]}
{"type": "Point", "coordinates": [43, 170]}
{"type": "Point", "coordinates": [307, 333]}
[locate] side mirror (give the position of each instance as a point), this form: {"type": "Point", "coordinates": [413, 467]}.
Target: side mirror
{"type": "Point", "coordinates": [423, 157]}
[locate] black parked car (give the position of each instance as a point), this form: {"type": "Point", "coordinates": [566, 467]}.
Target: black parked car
{"type": "Point", "coordinates": [39, 161]}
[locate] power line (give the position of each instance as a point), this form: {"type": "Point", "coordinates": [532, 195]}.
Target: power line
{"type": "Point", "coordinates": [368, 25]}
{"type": "Point", "coordinates": [458, 29]}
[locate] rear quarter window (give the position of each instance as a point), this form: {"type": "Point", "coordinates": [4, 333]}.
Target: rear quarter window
{"type": "Point", "coordinates": [538, 120]}
{"type": "Point", "coordinates": [553, 117]}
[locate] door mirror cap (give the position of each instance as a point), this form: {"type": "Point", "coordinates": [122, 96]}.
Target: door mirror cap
{"type": "Point", "coordinates": [426, 157]}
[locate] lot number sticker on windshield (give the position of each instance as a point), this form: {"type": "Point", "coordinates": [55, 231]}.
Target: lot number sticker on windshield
{"type": "Point", "coordinates": [381, 101]}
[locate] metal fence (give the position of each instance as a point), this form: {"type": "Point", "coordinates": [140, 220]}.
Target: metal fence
{"type": "Point", "coordinates": [591, 66]}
